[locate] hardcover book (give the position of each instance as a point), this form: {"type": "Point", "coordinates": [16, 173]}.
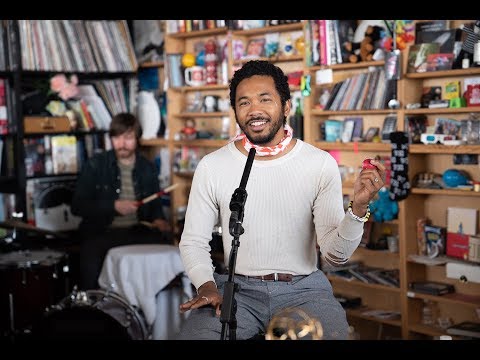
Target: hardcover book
{"type": "Point", "coordinates": [431, 287]}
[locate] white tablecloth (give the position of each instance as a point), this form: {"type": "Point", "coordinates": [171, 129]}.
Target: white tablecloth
{"type": "Point", "coordinates": [139, 273]}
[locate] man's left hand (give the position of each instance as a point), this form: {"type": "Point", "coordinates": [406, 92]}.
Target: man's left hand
{"type": "Point", "coordinates": [367, 185]}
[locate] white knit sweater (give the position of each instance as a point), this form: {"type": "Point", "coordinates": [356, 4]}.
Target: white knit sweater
{"type": "Point", "coordinates": [292, 201]}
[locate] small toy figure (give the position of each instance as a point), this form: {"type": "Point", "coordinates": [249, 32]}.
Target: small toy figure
{"type": "Point", "coordinates": [384, 208]}
{"type": "Point", "coordinates": [471, 38]}
{"type": "Point", "coordinates": [189, 131]}
{"type": "Point", "coordinates": [211, 61]}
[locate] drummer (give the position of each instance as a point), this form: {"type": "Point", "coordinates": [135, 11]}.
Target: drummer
{"type": "Point", "coordinates": [107, 196]}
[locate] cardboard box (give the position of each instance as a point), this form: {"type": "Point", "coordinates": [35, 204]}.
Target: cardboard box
{"type": "Point", "coordinates": [463, 272]}
{"type": "Point", "coordinates": [46, 124]}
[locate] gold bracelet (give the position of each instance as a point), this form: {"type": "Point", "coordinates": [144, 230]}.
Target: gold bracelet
{"type": "Point", "coordinates": [358, 218]}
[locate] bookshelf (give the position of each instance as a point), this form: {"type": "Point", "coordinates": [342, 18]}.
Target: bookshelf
{"type": "Point", "coordinates": [220, 124]}
{"type": "Point", "coordinates": [37, 50]}
{"type": "Point", "coordinates": [461, 306]}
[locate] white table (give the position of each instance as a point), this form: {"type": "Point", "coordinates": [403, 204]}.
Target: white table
{"type": "Point", "coordinates": [139, 273]}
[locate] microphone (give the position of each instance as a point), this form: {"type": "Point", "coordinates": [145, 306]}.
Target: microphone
{"type": "Point", "coordinates": [248, 167]}
{"type": "Point", "coordinates": [239, 196]}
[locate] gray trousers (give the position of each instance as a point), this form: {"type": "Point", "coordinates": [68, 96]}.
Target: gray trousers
{"type": "Point", "coordinates": [258, 301]}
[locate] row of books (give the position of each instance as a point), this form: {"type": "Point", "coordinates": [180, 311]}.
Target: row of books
{"type": "Point", "coordinates": [365, 91]}
{"type": "Point", "coordinates": [7, 123]}
{"type": "Point", "coordinates": [76, 46]}
{"type": "Point", "coordinates": [61, 154]}
{"type": "Point", "coordinates": [356, 270]}
{"type": "Point", "coordinates": [182, 26]}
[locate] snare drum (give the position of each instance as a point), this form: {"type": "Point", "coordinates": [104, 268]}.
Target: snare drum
{"type": "Point", "coordinates": [92, 314]}
{"type": "Point", "coordinates": [30, 282]}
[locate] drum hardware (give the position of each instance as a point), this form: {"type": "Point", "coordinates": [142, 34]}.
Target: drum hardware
{"type": "Point", "coordinates": [92, 314]}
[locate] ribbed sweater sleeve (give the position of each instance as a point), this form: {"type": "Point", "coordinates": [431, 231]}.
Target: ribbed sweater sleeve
{"type": "Point", "coordinates": [292, 202]}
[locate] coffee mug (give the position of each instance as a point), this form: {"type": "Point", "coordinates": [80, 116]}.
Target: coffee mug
{"type": "Point", "coordinates": [195, 76]}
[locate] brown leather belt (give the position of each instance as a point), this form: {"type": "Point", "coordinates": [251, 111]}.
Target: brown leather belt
{"type": "Point", "coordinates": [270, 277]}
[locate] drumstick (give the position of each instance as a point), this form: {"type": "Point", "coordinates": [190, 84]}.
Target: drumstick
{"type": "Point", "coordinates": [156, 195]}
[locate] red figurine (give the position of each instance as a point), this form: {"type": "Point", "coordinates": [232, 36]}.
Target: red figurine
{"type": "Point", "coordinates": [211, 62]}
{"type": "Point", "coordinates": [367, 164]}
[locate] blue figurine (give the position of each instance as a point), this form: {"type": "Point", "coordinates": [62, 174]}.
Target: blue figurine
{"type": "Point", "coordinates": [384, 208]}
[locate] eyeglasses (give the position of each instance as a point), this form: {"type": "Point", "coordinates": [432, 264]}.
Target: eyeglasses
{"type": "Point", "coordinates": [436, 138]}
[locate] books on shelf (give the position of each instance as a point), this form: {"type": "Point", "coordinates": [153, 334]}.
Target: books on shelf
{"type": "Point", "coordinates": [432, 287]}
{"type": "Point", "coordinates": [64, 154]}
{"type": "Point", "coordinates": [76, 45]}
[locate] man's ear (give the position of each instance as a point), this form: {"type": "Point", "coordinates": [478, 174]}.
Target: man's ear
{"type": "Point", "coordinates": [288, 107]}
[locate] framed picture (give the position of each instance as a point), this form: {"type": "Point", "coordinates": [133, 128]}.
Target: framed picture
{"type": "Point", "coordinates": [255, 48]}
{"type": "Point", "coordinates": [371, 133]}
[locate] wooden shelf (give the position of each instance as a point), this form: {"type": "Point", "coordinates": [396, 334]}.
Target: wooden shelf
{"type": "Point", "coordinates": [73, 132]}
{"type": "Point", "coordinates": [443, 149]}
{"type": "Point", "coordinates": [198, 33]}
{"type": "Point", "coordinates": [445, 192]}
{"type": "Point", "coordinates": [361, 146]}
{"type": "Point", "coordinates": [152, 64]}
{"type": "Point", "coordinates": [463, 110]}
{"type": "Point", "coordinates": [269, 29]}
{"type": "Point", "coordinates": [334, 279]}
{"type": "Point", "coordinates": [348, 66]}
{"type": "Point", "coordinates": [321, 112]}
{"type": "Point", "coordinates": [200, 88]}
{"type": "Point", "coordinates": [185, 174]}
{"type": "Point", "coordinates": [154, 142]}
{"type": "Point", "coordinates": [272, 59]}
{"type": "Point", "coordinates": [201, 143]}
{"type": "Point", "coordinates": [358, 313]}
{"type": "Point", "coordinates": [446, 73]}
{"type": "Point", "coordinates": [188, 115]}
{"type": "Point", "coordinates": [453, 299]}
{"type": "Point", "coordinates": [426, 330]}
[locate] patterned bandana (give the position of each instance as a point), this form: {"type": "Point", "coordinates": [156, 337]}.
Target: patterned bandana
{"type": "Point", "coordinates": [267, 150]}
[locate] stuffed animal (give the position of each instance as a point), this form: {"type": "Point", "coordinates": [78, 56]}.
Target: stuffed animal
{"type": "Point", "coordinates": [384, 208]}
{"type": "Point", "coordinates": [364, 50]}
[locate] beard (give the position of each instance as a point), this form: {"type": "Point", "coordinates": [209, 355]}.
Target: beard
{"type": "Point", "coordinates": [123, 153]}
{"type": "Point", "coordinates": [261, 139]}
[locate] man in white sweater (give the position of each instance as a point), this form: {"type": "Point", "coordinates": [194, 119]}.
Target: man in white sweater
{"type": "Point", "coordinates": [294, 203]}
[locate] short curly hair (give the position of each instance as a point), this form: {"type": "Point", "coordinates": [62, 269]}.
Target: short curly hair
{"type": "Point", "coordinates": [264, 68]}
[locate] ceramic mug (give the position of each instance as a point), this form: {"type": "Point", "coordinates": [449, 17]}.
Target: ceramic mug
{"type": "Point", "coordinates": [195, 75]}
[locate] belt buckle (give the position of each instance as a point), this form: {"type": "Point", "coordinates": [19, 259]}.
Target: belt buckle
{"type": "Point", "coordinates": [275, 276]}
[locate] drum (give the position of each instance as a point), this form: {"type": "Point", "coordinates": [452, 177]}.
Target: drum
{"type": "Point", "coordinates": [30, 281]}
{"type": "Point", "coordinates": [92, 314]}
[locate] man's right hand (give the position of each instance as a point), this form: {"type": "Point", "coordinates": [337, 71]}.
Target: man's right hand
{"type": "Point", "coordinates": [125, 207]}
{"type": "Point", "coordinates": [208, 295]}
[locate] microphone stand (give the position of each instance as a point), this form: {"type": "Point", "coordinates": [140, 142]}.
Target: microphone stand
{"type": "Point", "coordinates": [237, 206]}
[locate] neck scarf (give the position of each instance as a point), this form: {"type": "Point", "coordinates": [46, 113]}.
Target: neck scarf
{"type": "Point", "coordinates": [267, 150]}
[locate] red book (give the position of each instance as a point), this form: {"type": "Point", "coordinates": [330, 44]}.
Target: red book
{"type": "Point", "coordinates": [457, 245]}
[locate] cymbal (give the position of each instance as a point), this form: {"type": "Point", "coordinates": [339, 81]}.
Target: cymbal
{"type": "Point", "coordinates": [10, 224]}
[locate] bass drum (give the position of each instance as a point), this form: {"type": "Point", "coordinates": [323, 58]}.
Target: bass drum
{"type": "Point", "coordinates": [92, 314]}
{"type": "Point", "coordinates": [30, 282]}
